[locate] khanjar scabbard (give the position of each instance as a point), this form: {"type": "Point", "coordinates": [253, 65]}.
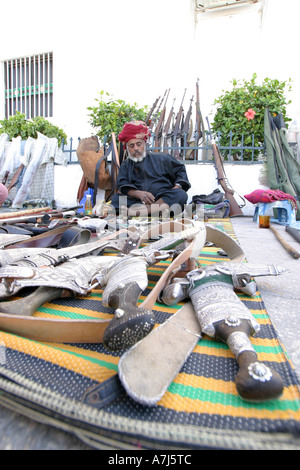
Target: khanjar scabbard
{"type": "Point", "coordinates": [223, 316]}
{"type": "Point", "coordinates": [126, 281]}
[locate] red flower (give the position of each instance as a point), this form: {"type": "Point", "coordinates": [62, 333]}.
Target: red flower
{"type": "Point", "coordinates": [250, 114]}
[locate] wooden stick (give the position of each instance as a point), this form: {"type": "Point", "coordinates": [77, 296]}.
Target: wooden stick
{"type": "Point", "coordinates": [10, 215]}
{"type": "Point", "coordinates": [286, 245]}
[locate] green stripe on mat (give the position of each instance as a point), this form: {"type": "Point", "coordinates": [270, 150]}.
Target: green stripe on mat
{"type": "Point", "coordinates": [276, 349]}
{"type": "Point", "coordinates": [65, 314]}
{"type": "Point", "coordinates": [187, 391]}
{"type": "Point", "coordinates": [94, 360]}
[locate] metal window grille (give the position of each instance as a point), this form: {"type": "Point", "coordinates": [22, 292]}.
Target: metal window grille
{"type": "Point", "coordinates": [28, 84]}
{"type": "Point", "coordinates": [212, 4]}
{"type": "Point", "coordinates": [199, 153]}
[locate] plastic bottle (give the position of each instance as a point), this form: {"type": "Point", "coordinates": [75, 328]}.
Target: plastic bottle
{"type": "Point", "coordinates": [88, 209]}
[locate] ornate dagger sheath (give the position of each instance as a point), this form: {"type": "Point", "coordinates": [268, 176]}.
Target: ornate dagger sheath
{"type": "Point", "coordinates": [74, 277]}
{"type": "Point", "coordinates": [222, 315]}
{"type": "Point", "coordinates": [126, 281]}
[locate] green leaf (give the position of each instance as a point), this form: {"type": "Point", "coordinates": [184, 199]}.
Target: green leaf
{"type": "Point", "coordinates": [111, 114]}
{"type": "Point", "coordinates": [232, 105]}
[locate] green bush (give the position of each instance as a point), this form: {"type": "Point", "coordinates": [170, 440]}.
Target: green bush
{"type": "Point", "coordinates": [110, 115]}
{"type": "Point", "coordinates": [241, 110]}
{"type": "Point", "coordinates": [18, 125]}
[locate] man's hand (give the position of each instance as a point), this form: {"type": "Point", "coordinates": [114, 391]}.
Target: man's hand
{"type": "Point", "coordinates": [144, 196]}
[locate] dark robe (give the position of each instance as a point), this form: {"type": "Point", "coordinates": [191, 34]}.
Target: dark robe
{"type": "Point", "coordinates": [157, 173]}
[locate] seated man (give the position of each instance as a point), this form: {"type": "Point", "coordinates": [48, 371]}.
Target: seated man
{"type": "Point", "coordinates": [148, 183]}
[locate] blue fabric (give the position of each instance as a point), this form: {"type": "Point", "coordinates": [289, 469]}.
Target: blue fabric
{"type": "Point", "coordinates": [82, 202]}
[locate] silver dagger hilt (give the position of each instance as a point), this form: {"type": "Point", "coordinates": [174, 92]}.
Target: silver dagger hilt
{"type": "Point", "coordinates": [126, 282]}
{"type": "Point", "coordinates": [130, 323]}
{"type": "Point", "coordinates": [222, 315]}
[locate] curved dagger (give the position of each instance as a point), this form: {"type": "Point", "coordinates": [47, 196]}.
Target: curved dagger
{"type": "Point", "coordinates": [127, 280]}
{"type": "Point", "coordinates": [222, 315]}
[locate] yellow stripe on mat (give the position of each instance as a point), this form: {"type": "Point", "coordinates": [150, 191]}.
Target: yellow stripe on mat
{"type": "Point", "coordinates": [96, 366]}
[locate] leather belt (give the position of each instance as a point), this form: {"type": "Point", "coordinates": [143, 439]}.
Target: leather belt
{"type": "Point", "coordinates": [62, 237]}
{"type": "Point", "coordinates": [15, 230]}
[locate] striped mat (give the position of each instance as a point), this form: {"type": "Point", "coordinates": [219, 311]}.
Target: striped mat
{"type": "Point", "coordinates": [200, 410]}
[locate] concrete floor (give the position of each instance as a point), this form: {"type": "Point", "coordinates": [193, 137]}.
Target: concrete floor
{"type": "Point", "coordinates": [282, 300]}
{"type": "Point", "coordinates": [281, 294]}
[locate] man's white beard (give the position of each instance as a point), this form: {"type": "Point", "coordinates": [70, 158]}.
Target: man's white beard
{"type": "Point", "coordinates": [137, 159]}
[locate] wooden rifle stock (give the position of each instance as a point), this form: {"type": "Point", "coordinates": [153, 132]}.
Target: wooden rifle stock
{"type": "Point", "coordinates": [222, 180]}
{"type": "Point", "coordinates": [235, 209]}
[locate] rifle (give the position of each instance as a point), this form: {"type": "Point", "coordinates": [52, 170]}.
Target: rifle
{"type": "Point", "coordinates": [235, 209]}
{"type": "Point", "coordinates": [153, 121]}
{"type": "Point", "coordinates": [148, 118]}
{"type": "Point", "coordinates": [159, 127]}
{"type": "Point", "coordinates": [199, 126]}
{"type": "Point", "coordinates": [165, 132]}
{"type": "Point", "coordinates": [176, 132]}
{"type": "Point", "coordinates": [186, 126]}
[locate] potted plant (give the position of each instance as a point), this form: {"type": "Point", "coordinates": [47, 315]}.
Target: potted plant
{"type": "Point", "coordinates": [110, 115]}
{"type": "Point", "coordinates": [241, 111]}
{"type": "Point", "coordinates": [18, 125]}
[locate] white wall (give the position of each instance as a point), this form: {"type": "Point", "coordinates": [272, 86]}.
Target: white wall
{"type": "Point", "coordinates": [137, 49]}
{"type": "Point", "coordinates": [133, 49]}
{"type": "Point", "coordinates": [235, 43]}
{"type": "Point", "coordinates": [203, 178]}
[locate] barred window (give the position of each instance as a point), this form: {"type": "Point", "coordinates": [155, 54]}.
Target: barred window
{"type": "Point", "coordinates": [204, 5]}
{"type": "Point", "coordinates": [28, 84]}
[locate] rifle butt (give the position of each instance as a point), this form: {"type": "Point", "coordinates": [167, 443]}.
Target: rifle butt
{"type": "Point", "coordinates": [235, 209]}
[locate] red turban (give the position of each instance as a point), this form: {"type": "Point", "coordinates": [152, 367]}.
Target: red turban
{"type": "Point", "coordinates": [134, 130]}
